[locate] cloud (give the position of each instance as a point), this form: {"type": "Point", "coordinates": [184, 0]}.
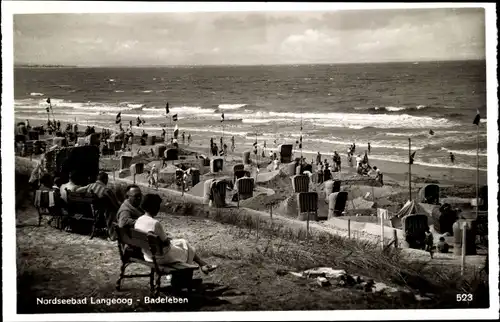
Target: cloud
{"type": "Point", "coordinates": [249, 37]}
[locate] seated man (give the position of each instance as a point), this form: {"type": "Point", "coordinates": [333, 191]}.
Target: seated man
{"type": "Point", "coordinates": [175, 250]}
{"type": "Point", "coordinates": [111, 203]}
{"type": "Point", "coordinates": [130, 209]}
{"type": "Point", "coordinates": [71, 186]}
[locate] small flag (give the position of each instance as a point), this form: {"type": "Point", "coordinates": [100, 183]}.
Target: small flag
{"type": "Point", "coordinates": [47, 109]}
{"type": "Point", "coordinates": [174, 118]}
{"type": "Point", "coordinates": [176, 131]}
{"type": "Point", "coordinates": [477, 118]}
{"type": "Point", "coordinates": [222, 117]}
{"type": "Point", "coordinates": [143, 122]}
{"type": "Point", "coordinates": [48, 100]}
{"type": "Point", "coordinates": [118, 117]}
{"type": "Point", "coordinates": [264, 144]}
{"type": "Point", "coordinates": [130, 123]}
{"type": "Point", "coordinates": [138, 121]}
{"type": "Point", "coordinates": [255, 144]}
{"type": "Point", "coordinates": [412, 157]}
{"type": "Point", "coordinates": [431, 132]}
{"type": "Point", "coordinates": [167, 109]}
{"type": "Point", "coordinates": [300, 138]}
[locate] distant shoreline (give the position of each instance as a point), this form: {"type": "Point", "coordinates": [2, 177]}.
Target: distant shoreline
{"type": "Point", "coordinates": [257, 65]}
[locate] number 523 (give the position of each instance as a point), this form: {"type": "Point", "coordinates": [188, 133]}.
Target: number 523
{"type": "Point", "coordinates": [464, 297]}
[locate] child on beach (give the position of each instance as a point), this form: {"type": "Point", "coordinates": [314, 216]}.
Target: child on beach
{"type": "Point", "coordinates": [442, 246]}
{"type": "Point", "coordinates": [452, 158]}
{"type": "Point", "coordinates": [429, 242]}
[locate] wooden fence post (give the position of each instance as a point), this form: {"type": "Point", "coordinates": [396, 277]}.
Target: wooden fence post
{"type": "Point", "coordinates": [464, 236]}
{"type": "Point", "coordinates": [395, 234]}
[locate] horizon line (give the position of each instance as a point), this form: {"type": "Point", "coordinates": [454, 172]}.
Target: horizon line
{"type": "Point", "coordinates": [239, 65]}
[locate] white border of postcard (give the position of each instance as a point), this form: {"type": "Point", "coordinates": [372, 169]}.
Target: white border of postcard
{"type": "Point", "coordinates": [8, 218]}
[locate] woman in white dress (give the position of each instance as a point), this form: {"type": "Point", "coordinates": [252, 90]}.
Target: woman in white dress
{"type": "Point", "coordinates": [175, 250]}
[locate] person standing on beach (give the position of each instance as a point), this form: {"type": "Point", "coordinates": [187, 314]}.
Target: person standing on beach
{"type": "Point", "coordinates": [429, 242]}
{"type": "Point", "coordinates": [212, 144]}
{"type": "Point", "coordinates": [369, 147]}
{"type": "Point", "coordinates": [318, 158]}
{"type": "Point", "coordinates": [452, 158]}
{"type": "Point", "coordinates": [232, 143]}
{"type": "Point", "coordinates": [189, 138]}
{"type": "Point", "coordinates": [163, 134]}
{"type": "Point", "coordinates": [379, 175]}
{"type": "Point", "coordinates": [183, 137]}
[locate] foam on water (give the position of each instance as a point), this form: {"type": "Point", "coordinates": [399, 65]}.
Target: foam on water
{"type": "Point", "coordinates": [186, 110]}
{"type": "Point", "coordinates": [37, 94]}
{"type": "Point", "coordinates": [231, 106]}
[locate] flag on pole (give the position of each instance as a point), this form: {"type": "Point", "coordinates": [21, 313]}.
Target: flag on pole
{"type": "Point", "coordinates": [431, 132]}
{"type": "Point", "coordinates": [477, 118]}
{"type": "Point", "coordinates": [143, 122]}
{"type": "Point", "coordinates": [176, 131]}
{"type": "Point", "coordinates": [167, 109]}
{"type": "Point", "coordinates": [174, 118]}
{"type": "Point", "coordinates": [138, 121]}
{"type": "Point", "coordinates": [48, 100]}
{"type": "Point", "coordinates": [412, 157]}
{"type": "Point", "coordinates": [222, 117]}
{"type": "Point", "coordinates": [119, 118]}
{"type": "Point", "coordinates": [47, 109]}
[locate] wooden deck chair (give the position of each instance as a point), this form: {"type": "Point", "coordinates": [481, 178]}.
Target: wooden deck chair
{"type": "Point", "coordinates": [245, 188]}
{"type": "Point", "coordinates": [307, 204]}
{"type": "Point", "coordinates": [47, 203]}
{"type": "Point", "coordinates": [300, 183]}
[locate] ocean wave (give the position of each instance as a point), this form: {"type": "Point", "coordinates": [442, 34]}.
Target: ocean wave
{"type": "Point", "coordinates": [111, 80]}
{"type": "Point", "coordinates": [100, 108]}
{"type": "Point", "coordinates": [119, 91]}
{"type": "Point", "coordinates": [231, 106]}
{"type": "Point", "coordinates": [147, 91]}
{"type": "Point", "coordinates": [37, 94]}
{"type": "Point", "coordinates": [181, 110]}
{"type": "Point", "coordinates": [464, 152]}
{"type": "Point", "coordinates": [132, 105]}
{"type": "Point", "coordinates": [263, 121]}
{"type": "Point", "coordinates": [364, 120]}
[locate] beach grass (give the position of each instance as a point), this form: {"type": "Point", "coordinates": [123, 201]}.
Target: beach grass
{"type": "Point", "coordinates": [249, 251]}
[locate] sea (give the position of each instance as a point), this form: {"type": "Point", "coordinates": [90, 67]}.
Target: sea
{"type": "Point", "coordinates": [330, 106]}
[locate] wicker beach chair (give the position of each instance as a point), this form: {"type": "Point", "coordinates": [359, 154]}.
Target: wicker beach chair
{"type": "Point", "coordinates": [245, 188]}
{"type": "Point", "coordinates": [307, 204]}
{"type": "Point", "coordinates": [300, 183]}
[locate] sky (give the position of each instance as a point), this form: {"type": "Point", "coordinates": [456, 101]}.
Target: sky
{"type": "Point", "coordinates": [249, 38]}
